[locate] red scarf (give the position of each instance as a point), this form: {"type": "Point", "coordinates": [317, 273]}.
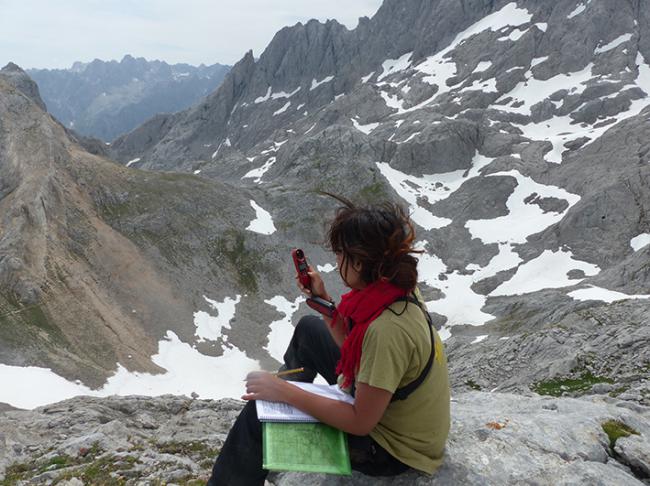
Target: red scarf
{"type": "Point", "coordinates": [358, 309]}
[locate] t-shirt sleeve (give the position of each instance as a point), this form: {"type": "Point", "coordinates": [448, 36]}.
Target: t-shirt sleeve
{"type": "Point", "coordinates": [386, 355]}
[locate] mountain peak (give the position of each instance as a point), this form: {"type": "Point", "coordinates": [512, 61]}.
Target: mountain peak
{"type": "Point", "coordinates": [20, 80]}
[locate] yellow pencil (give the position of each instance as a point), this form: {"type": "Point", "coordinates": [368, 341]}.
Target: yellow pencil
{"type": "Point", "coordinates": [289, 372]}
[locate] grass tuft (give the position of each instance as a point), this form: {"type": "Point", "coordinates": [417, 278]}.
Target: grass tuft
{"type": "Point", "coordinates": [616, 429]}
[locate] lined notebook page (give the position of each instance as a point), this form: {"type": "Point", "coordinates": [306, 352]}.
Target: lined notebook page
{"type": "Point", "coordinates": [282, 412]}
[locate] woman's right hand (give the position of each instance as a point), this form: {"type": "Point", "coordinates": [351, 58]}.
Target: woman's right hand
{"type": "Point", "coordinates": [317, 285]}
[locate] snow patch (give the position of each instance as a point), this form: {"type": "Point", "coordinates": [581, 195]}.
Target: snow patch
{"type": "Point", "coordinates": [523, 219]}
{"type": "Point", "coordinates": [460, 304]}
{"type": "Point", "coordinates": [640, 241]}
{"type": "Point", "coordinates": [392, 66]}
{"type": "Point", "coordinates": [263, 222]}
{"type": "Point", "coordinates": [315, 84]}
{"type": "Point", "coordinates": [131, 162]}
{"type": "Point", "coordinates": [604, 295]}
{"type": "Point", "coordinates": [578, 10]}
{"type": "Point", "coordinates": [283, 109]}
{"type": "Point", "coordinates": [366, 78]}
{"type": "Point", "coordinates": [210, 327]}
{"type": "Point", "coordinates": [439, 68]}
{"type": "Point", "coordinates": [482, 66]}
{"type": "Point", "coordinates": [327, 268]}
{"type": "Point", "coordinates": [260, 171]}
{"type": "Point", "coordinates": [433, 187]}
{"type": "Point", "coordinates": [264, 98]}
{"type": "Point", "coordinates": [283, 94]}
{"type": "Point", "coordinates": [281, 330]}
{"type": "Point", "coordinates": [364, 128]}
{"type": "Point", "coordinates": [622, 39]}
{"type": "Point", "coordinates": [547, 271]}
{"type": "Point", "coordinates": [187, 371]}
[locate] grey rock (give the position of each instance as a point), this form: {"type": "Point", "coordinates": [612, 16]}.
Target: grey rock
{"type": "Point", "coordinates": [495, 439]}
{"type": "Point", "coordinates": [602, 388]}
{"type": "Point", "coordinates": [20, 80]}
{"type": "Point", "coordinates": [635, 452]}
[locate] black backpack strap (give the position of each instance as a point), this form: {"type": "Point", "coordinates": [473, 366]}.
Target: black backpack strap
{"type": "Point", "coordinates": [402, 393]}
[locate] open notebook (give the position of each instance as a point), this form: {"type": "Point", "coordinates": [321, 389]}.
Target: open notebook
{"type": "Point", "coordinates": [281, 412]}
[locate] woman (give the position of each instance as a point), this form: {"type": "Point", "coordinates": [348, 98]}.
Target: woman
{"type": "Point", "coordinates": [380, 343]}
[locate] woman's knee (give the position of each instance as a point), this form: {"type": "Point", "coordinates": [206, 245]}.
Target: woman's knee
{"type": "Point", "coordinates": [309, 325]}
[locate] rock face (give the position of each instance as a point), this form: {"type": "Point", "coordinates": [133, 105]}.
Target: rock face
{"type": "Point", "coordinates": [96, 260]}
{"type": "Point", "coordinates": [495, 439]}
{"type": "Point", "coordinates": [21, 81]}
{"type": "Point", "coordinates": [107, 99]}
{"type": "Point", "coordinates": [525, 166]}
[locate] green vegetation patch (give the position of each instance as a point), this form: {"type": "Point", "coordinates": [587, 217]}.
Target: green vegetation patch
{"type": "Point", "coordinates": [194, 449]}
{"type": "Point", "coordinates": [90, 468]}
{"type": "Point", "coordinates": [20, 324]}
{"type": "Point", "coordinates": [375, 192]}
{"type": "Point", "coordinates": [557, 387]}
{"type": "Point", "coordinates": [615, 430]}
{"type": "Point", "coordinates": [230, 250]}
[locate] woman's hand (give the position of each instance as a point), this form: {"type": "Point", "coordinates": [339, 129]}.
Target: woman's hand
{"type": "Point", "coordinates": [317, 285]}
{"type": "Point", "coordinates": [261, 385]}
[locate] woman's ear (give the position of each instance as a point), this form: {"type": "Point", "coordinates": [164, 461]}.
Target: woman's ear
{"type": "Point", "coordinates": [356, 266]}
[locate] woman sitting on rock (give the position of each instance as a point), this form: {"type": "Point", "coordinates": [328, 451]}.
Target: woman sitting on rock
{"type": "Point", "coordinates": [380, 344]}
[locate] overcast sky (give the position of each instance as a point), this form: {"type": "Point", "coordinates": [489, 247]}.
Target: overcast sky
{"type": "Point", "coordinates": [55, 33]}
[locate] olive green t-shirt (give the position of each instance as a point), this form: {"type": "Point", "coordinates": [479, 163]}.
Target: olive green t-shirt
{"type": "Point", "coordinates": [395, 350]}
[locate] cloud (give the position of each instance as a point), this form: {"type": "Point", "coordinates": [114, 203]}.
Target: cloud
{"type": "Point", "coordinates": [42, 33]}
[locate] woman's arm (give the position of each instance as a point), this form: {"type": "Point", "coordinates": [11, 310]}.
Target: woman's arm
{"type": "Point", "coordinates": [318, 290]}
{"type": "Point", "coordinates": [357, 419]}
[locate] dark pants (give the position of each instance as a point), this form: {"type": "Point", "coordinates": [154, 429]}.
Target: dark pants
{"type": "Point", "coordinates": [240, 460]}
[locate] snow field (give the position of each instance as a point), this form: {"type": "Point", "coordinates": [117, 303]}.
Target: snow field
{"type": "Point", "coordinates": [523, 219]}
{"type": "Point", "coordinates": [187, 370]}
{"type": "Point", "coordinates": [604, 295]}
{"type": "Point", "coordinates": [433, 187]}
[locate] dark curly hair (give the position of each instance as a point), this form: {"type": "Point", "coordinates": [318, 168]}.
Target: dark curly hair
{"type": "Point", "coordinates": [379, 237]}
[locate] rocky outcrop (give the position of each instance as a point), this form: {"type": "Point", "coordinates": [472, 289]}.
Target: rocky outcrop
{"type": "Point", "coordinates": [495, 439]}
{"type": "Point", "coordinates": [21, 81]}
{"type": "Point", "coordinates": [95, 259]}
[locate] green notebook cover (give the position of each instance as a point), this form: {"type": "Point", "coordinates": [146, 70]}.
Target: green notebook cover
{"type": "Point", "coordinates": [306, 447]}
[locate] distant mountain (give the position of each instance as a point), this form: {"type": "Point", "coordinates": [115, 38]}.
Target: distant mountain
{"type": "Point", "coordinates": [107, 99]}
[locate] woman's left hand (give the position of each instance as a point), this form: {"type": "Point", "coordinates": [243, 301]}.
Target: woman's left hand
{"type": "Point", "coordinates": [261, 385]}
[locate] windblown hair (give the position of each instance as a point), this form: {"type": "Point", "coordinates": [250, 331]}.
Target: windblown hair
{"type": "Point", "coordinates": [380, 238]}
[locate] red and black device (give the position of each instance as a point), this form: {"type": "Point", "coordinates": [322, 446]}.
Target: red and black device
{"type": "Point", "coordinates": [300, 261]}
{"type": "Point", "coordinates": [317, 303]}
{"type": "Point", "coordinates": [323, 306]}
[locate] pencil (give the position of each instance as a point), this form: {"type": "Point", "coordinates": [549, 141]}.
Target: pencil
{"type": "Point", "coordinates": [289, 372]}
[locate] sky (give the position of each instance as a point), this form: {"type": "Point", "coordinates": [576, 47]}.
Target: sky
{"type": "Point", "coordinates": [54, 34]}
